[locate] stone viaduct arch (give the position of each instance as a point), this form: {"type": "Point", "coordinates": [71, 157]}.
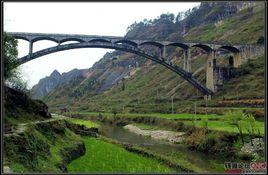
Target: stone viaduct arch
{"type": "Point", "coordinates": [132, 46]}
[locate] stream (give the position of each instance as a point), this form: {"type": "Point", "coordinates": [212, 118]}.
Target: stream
{"type": "Point", "coordinates": [205, 162]}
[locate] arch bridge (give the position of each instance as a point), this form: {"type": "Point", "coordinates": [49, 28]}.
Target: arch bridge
{"type": "Point", "coordinates": [133, 46]}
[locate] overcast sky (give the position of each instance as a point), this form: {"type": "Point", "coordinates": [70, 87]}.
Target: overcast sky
{"type": "Point", "coordinates": [76, 18]}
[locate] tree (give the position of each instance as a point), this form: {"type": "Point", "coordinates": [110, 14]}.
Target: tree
{"type": "Point", "coordinates": [168, 17]}
{"type": "Point", "coordinates": [187, 13]}
{"type": "Point", "coordinates": [10, 57]}
{"type": "Point", "coordinates": [179, 17]}
{"type": "Point", "coordinates": [132, 26]}
{"type": "Point", "coordinates": [12, 73]}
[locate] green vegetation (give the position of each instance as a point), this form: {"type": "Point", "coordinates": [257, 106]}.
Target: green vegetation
{"type": "Point", "coordinates": [19, 108]}
{"type": "Point", "coordinates": [167, 116]}
{"type": "Point", "coordinates": [240, 28]}
{"type": "Point", "coordinates": [10, 56]}
{"type": "Point", "coordinates": [87, 123]}
{"type": "Point", "coordinates": [225, 126]}
{"type": "Point", "coordinates": [49, 148]}
{"type": "Point", "coordinates": [141, 96]}
{"type": "Point", "coordinates": [212, 121]}
{"type": "Point", "coordinates": [177, 159]}
{"type": "Point", "coordinates": [12, 73]}
{"type": "Point", "coordinates": [151, 86]}
{"type": "Point", "coordinates": [248, 83]}
{"type": "Point", "coordinates": [103, 157]}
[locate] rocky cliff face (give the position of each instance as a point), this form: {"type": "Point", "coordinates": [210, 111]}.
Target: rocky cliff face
{"type": "Point", "coordinates": [55, 80]}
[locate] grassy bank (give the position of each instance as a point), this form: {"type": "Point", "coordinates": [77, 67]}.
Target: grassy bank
{"type": "Point", "coordinates": [214, 121]}
{"type": "Point", "coordinates": [87, 123]}
{"type": "Point", "coordinates": [178, 160]}
{"type": "Point", "coordinates": [43, 147]}
{"type": "Point", "coordinates": [225, 126]}
{"type": "Point", "coordinates": [103, 157]}
{"type": "Point", "coordinates": [167, 116]}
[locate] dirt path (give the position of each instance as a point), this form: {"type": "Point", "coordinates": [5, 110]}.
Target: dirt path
{"type": "Point", "coordinates": [20, 128]}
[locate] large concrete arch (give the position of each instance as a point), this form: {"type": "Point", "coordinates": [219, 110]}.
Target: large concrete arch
{"type": "Point", "coordinates": [184, 74]}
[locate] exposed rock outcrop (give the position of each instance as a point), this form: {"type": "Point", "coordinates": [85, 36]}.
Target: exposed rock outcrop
{"type": "Point", "coordinates": [48, 84]}
{"type": "Point", "coordinates": [18, 106]}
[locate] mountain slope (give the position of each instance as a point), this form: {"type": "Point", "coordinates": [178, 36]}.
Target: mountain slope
{"type": "Point", "coordinates": [128, 83]}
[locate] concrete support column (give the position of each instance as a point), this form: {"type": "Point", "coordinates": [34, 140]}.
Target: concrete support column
{"type": "Point", "coordinates": [30, 47]}
{"type": "Point", "coordinates": [163, 52]}
{"type": "Point", "coordinates": [207, 97]}
{"type": "Point", "coordinates": [211, 64]}
{"type": "Point", "coordinates": [186, 62]}
{"type": "Point", "coordinates": [237, 60]}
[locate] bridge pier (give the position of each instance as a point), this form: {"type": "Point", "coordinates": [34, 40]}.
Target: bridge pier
{"type": "Point", "coordinates": [237, 59]}
{"type": "Point", "coordinates": [207, 97]}
{"type": "Point", "coordinates": [30, 47]}
{"type": "Point", "coordinates": [186, 61]}
{"type": "Point", "coordinates": [211, 64]}
{"type": "Point", "coordinates": [163, 52]}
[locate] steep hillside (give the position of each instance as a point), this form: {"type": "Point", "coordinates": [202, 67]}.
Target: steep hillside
{"type": "Point", "coordinates": [128, 83]}
{"type": "Point", "coordinates": [48, 84]}
{"type": "Point", "coordinates": [19, 108]}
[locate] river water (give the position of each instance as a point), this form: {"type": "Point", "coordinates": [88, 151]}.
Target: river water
{"type": "Point", "coordinates": [203, 161]}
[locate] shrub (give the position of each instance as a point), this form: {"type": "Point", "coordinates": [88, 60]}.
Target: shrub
{"type": "Point", "coordinates": [236, 118]}
{"type": "Point", "coordinates": [260, 40]}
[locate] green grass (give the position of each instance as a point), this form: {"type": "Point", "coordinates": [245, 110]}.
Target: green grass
{"type": "Point", "coordinates": [225, 126]}
{"type": "Point", "coordinates": [103, 157]}
{"type": "Point", "coordinates": [215, 122]}
{"type": "Point", "coordinates": [36, 151]}
{"type": "Point", "coordinates": [87, 123]}
{"type": "Point", "coordinates": [240, 28]}
{"type": "Point", "coordinates": [167, 116]}
{"type": "Point", "coordinates": [61, 142]}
